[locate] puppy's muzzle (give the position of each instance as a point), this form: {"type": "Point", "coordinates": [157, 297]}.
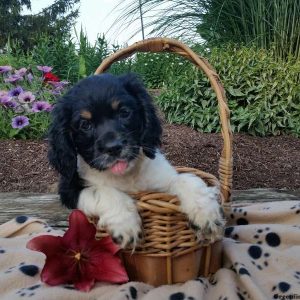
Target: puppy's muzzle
{"type": "Point", "coordinates": [115, 147]}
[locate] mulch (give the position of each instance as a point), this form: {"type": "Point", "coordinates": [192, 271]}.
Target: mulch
{"type": "Point", "coordinates": [259, 162]}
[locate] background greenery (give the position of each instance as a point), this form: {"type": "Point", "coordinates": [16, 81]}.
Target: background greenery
{"type": "Point", "coordinates": [266, 24]}
{"type": "Point", "coordinates": [26, 28]}
{"type": "Point", "coordinates": [253, 45]}
{"type": "Point", "coordinates": [263, 92]}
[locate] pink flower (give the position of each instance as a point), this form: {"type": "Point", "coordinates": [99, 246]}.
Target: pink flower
{"type": "Point", "coordinates": [26, 97]}
{"type": "Point", "coordinates": [5, 99]}
{"type": "Point", "coordinates": [13, 78]}
{"type": "Point", "coordinates": [29, 77]}
{"type": "Point", "coordinates": [77, 257]}
{"type": "Point", "coordinates": [41, 106]}
{"type": "Point", "coordinates": [44, 69]}
{"type": "Point", "coordinates": [5, 69]}
{"type": "Point", "coordinates": [21, 72]}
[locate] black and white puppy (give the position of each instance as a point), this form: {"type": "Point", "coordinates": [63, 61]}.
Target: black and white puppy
{"type": "Point", "coordinates": [104, 141]}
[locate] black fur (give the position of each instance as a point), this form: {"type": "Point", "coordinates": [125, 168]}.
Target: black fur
{"type": "Point", "coordinates": [111, 133]}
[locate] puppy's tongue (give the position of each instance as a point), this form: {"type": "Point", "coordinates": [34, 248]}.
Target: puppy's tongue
{"type": "Point", "coordinates": [119, 167]}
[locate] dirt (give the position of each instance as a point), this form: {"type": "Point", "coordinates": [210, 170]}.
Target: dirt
{"type": "Point", "coordinates": [269, 162]}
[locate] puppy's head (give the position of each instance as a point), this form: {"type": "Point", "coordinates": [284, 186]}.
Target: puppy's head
{"type": "Point", "coordinates": [107, 120]}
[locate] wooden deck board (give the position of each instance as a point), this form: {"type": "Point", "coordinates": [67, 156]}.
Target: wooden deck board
{"type": "Point", "coordinates": [48, 207]}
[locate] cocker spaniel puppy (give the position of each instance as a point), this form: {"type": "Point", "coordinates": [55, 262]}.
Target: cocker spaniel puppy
{"type": "Point", "coordinates": [104, 141]}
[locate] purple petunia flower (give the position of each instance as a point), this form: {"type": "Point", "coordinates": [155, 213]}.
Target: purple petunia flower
{"type": "Point", "coordinates": [44, 69]}
{"type": "Point", "coordinates": [11, 104]}
{"type": "Point", "coordinates": [26, 97]}
{"type": "Point", "coordinates": [13, 78]}
{"type": "Point", "coordinates": [29, 77]}
{"type": "Point", "coordinates": [41, 106]}
{"type": "Point", "coordinates": [5, 69]}
{"type": "Point", "coordinates": [7, 102]}
{"type": "Point", "coordinates": [15, 92]}
{"type": "Point", "coordinates": [19, 122]}
{"type": "Point", "coordinates": [21, 72]}
{"type": "Point", "coordinates": [5, 99]}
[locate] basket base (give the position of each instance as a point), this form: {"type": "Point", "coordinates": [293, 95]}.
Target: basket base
{"type": "Point", "coordinates": [158, 269]}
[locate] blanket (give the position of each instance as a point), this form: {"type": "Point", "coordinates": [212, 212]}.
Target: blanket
{"type": "Point", "coordinates": [261, 261]}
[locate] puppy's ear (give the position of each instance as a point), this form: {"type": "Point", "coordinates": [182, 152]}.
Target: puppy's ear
{"type": "Point", "coordinates": [152, 130]}
{"type": "Point", "coordinates": [62, 154]}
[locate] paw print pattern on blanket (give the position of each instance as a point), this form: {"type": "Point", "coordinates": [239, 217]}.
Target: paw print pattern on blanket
{"type": "Point", "coordinates": [281, 288]}
{"type": "Point", "coordinates": [203, 281]}
{"type": "Point", "coordinates": [296, 208]}
{"type": "Point", "coordinates": [180, 296]}
{"type": "Point", "coordinates": [21, 219]}
{"type": "Point", "coordinates": [242, 295]}
{"type": "Point", "coordinates": [47, 228]}
{"type": "Point", "coordinates": [28, 291]}
{"type": "Point", "coordinates": [229, 233]}
{"type": "Point", "coordinates": [29, 270]}
{"type": "Point", "coordinates": [240, 268]}
{"type": "Point", "coordinates": [271, 238]}
{"type": "Point", "coordinates": [239, 216]}
{"type": "Point", "coordinates": [260, 259]}
{"type": "Point", "coordinates": [268, 246]}
{"type": "Point", "coordinates": [13, 267]}
{"type": "Point", "coordinates": [131, 293]}
{"type": "Point", "coordinates": [297, 276]}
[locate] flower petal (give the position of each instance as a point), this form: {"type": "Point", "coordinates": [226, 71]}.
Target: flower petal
{"type": "Point", "coordinates": [59, 269]}
{"type": "Point", "coordinates": [105, 244]}
{"type": "Point", "coordinates": [108, 268]}
{"type": "Point", "coordinates": [85, 284]}
{"type": "Point", "coordinates": [80, 233]}
{"type": "Point", "coordinates": [48, 244]}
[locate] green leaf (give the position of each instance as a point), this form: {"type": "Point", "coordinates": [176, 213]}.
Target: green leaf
{"type": "Point", "coordinates": [235, 92]}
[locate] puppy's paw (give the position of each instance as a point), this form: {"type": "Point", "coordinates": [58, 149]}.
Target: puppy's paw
{"type": "Point", "coordinates": [208, 222]}
{"type": "Point", "coordinates": [205, 214]}
{"type": "Point", "coordinates": [125, 229]}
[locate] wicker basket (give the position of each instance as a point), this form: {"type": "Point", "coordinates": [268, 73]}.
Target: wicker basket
{"type": "Point", "coordinates": [170, 252]}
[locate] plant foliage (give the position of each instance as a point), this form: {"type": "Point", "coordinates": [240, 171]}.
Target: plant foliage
{"type": "Point", "coordinates": [263, 23]}
{"type": "Point", "coordinates": [263, 93]}
{"type": "Point", "coordinates": [56, 19]}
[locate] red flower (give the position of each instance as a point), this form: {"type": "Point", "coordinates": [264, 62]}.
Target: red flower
{"type": "Point", "coordinates": [77, 257]}
{"type": "Point", "coordinates": [50, 77]}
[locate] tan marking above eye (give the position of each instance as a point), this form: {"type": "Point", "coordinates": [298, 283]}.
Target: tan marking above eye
{"type": "Point", "coordinates": [115, 104]}
{"type": "Point", "coordinates": [86, 114]}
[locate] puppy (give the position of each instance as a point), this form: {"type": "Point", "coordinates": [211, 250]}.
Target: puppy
{"type": "Point", "coordinates": [104, 141]}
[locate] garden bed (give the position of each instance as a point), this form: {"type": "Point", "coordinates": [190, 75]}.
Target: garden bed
{"type": "Point", "coordinates": [269, 162]}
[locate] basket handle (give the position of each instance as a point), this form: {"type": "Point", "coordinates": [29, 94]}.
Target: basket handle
{"type": "Point", "coordinates": [170, 45]}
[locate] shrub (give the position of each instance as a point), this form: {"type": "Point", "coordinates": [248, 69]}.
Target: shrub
{"type": "Point", "coordinates": [263, 93]}
{"type": "Point", "coordinates": [156, 68]}
{"type": "Point", "coordinates": [26, 98]}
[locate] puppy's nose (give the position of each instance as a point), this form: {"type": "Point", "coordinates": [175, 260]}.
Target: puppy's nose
{"type": "Point", "coordinates": [114, 147]}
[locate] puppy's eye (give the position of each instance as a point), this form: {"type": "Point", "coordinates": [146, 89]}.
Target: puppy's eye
{"type": "Point", "coordinates": [85, 124]}
{"type": "Point", "coordinates": [124, 113]}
